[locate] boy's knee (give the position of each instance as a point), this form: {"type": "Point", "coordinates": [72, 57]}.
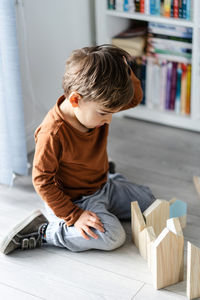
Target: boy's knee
{"type": "Point", "coordinates": [113, 239]}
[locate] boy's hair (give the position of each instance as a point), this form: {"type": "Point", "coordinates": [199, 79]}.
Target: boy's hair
{"type": "Point", "coordinates": [99, 74]}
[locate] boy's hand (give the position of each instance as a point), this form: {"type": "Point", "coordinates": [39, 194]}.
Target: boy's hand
{"type": "Point", "coordinates": [86, 220]}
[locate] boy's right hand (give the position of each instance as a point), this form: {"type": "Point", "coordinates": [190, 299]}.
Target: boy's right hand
{"type": "Point", "coordinates": [86, 220]}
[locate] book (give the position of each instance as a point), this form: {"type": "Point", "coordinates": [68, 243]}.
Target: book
{"type": "Point", "coordinates": [142, 8]}
{"type": "Point", "coordinates": [184, 8]}
{"type": "Point", "coordinates": [176, 58]}
{"type": "Point", "coordinates": [126, 5]}
{"type": "Point", "coordinates": [169, 43]}
{"type": "Point", "coordinates": [163, 80]}
{"type": "Point", "coordinates": [157, 8]}
{"type": "Point", "coordinates": [137, 29]}
{"type": "Point", "coordinates": [149, 76]}
{"type": "Point", "coordinates": [176, 12]}
{"type": "Point", "coordinates": [169, 37]}
{"type": "Point", "coordinates": [137, 42]}
{"type": "Point", "coordinates": [183, 88]}
{"type": "Point", "coordinates": [171, 30]}
{"type": "Point", "coordinates": [187, 109]}
{"type": "Point", "coordinates": [152, 6]}
{"type": "Point", "coordinates": [178, 90]}
{"type": "Point", "coordinates": [147, 7]}
{"type": "Point", "coordinates": [188, 10]}
{"type": "Point", "coordinates": [172, 9]}
{"type": "Point", "coordinates": [167, 8]}
{"type": "Point", "coordinates": [156, 87]}
{"type": "Point", "coordinates": [137, 5]}
{"type": "Point", "coordinates": [111, 4]}
{"type": "Point", "coordinates": [119, 5]}
{"type": "Point", "coordinates": [173, 85]}
{"type": "Point", "coordinates": [180, 9]}
{"type": "Point", "coordinates": [168, 85]}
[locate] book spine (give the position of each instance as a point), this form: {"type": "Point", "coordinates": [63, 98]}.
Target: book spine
{"type": "Point", "coordinates": [119, 5]}
{"type": "Point", "coordinates": [184, 7]}
{"type": "Point", "coordinates": [163, 84]}
{"type": "Point", "coordinates": [178, 90]}
{"type": "Point", "coordinates": [126, 5]}
{"type": "Point", "coordinates": [131, 6]}
{"type": "Point", "coordinates": [149, 73]}
{"type": "Point", "coordinates": [176, 12]}
{"type": "Point", "coordinates": [137, 5]}
{"type": "Point", "coordinates": [157, 7]}
{"type": "Point", "coordinates": [188, 89]}
{"type": "Point", "coordinates": [173, 86]}
{"type": "Point", "coordinates": [147, 7]}
{"type": "Point", "coordinates": [180, 9]}
{"type": "Point", "coordinates": [183, 88]}
{"type": "Point", "coordinates": [167, 8]}
{"type": "Point", "coordinates": [157, 86]}
{"type": "Point", "coordinates": [142, 6]}
{"type": "Point", "coordinates": [171, 31]}
{"type": "Point", "coordinates": [188, 10]}
{"type": "Point", "coordinates": [172, 9]}
{"type": "Point", "coordinates": [168, 86]}
{"type": "Point", "coordinates": [111, 4]}
{"type": "Point", "coordinates": [152, 7]}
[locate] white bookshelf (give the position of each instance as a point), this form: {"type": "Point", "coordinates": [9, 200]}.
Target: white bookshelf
{"type": "Point", "coordinates": [110, 23]}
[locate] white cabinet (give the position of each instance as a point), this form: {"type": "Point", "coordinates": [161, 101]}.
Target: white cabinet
{"type": "Point", "coordinates": [111, 22]}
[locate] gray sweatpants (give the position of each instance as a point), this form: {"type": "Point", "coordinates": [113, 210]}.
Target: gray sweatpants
{"type": "Point", "coordinates": [111, 204]}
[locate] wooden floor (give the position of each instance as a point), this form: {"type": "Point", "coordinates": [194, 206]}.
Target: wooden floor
{"type": "Point", "coordinates": [163, 158]}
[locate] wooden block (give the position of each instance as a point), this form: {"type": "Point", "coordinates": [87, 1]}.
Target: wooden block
{"type": "Point", "coordinates": [137, 222]}
{"type": "Point", "coordinates": [146, 236]}
{"type": "Point", "coordinates": [156, 215]}
{"type": "Point", "coordinates": [178, 208]}
{"type": "Point", "coordinates": [196, 181]}
{"type": "Point", "coordinates": [193, 271]}
{"type": "Point", "coordinates": [183, 221]}
{"type": "Point", "coordinates": [174, 226]}
{"type": "Point", "coordinates": [172, 200]}
{"type": "Point", "coordinates": [167, 258]}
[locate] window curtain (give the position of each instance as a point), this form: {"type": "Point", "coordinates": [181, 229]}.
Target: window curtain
{"type": "Point", "coordinates": [13, 152]}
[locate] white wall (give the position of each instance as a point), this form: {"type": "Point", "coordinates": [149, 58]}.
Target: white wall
{"type": "Point", "coordinates": [48, 30]}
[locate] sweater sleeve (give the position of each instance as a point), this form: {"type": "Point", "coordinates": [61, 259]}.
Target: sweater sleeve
{"type": "Point", "coordinates": [138, 93]}
{"type": "Point", "coordinates": [45, 166]}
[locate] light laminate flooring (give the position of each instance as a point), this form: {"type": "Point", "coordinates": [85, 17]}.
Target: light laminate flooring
{"type": "Point", "coordinates": [161, 157]}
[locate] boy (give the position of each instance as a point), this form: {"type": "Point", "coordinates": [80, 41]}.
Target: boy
{"type": "Point", "coordinates": [70, 167]}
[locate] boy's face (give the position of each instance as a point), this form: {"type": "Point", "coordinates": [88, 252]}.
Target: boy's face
{"type": "Point", "coordinates": [91, 115]}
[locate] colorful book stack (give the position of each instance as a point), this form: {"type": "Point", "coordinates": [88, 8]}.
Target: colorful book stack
{"type": "Point", "coordinates": [169, 66]}
{"type": "Point", "coordinates": [167, 8]}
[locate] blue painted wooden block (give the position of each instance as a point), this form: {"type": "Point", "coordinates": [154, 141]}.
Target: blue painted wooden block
{"type": "Point", "coordinates": [177, 209]}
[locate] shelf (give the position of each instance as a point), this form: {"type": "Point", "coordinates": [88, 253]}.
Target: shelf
{"type": "Point", "coordinates": [150, 18]}
{"type": "Point", "coordinates": [110, 22]}
{"type": "Point", "coordinates": [162, 117]}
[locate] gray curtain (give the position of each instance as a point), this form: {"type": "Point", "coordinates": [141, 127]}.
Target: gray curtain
{"type": "Point", "coordinates": [13, 152]}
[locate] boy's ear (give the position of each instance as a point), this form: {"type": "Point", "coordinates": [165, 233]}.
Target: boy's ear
{"type": "Point", "coordinates": [74, 99]}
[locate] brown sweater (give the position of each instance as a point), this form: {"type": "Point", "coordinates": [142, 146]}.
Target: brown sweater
{"type": "Point", "coordinates": [68, 163]}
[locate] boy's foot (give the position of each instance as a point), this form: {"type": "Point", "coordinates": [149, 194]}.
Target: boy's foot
{"type": "Point", "coordinates": [26, 235]}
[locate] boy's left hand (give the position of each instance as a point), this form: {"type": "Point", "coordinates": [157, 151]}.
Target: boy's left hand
{"type": "Point", "coordinates": [86, 220]}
